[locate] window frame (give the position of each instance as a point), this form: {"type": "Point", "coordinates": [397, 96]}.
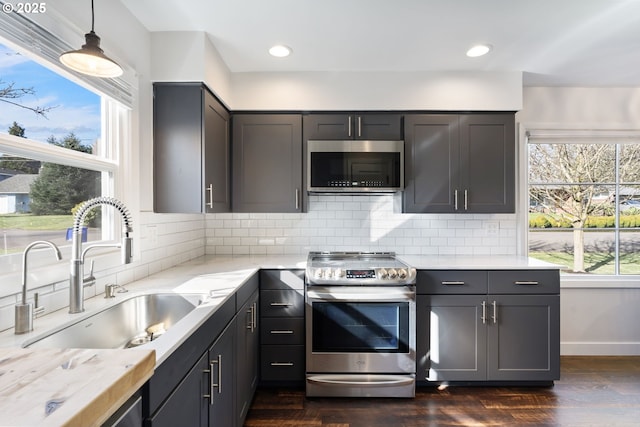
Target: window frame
{"type": "Point", "coordinates": [578, 134]}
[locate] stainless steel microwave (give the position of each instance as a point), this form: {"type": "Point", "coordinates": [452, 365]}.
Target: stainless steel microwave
{"type": "Point", "coordinates": [354, 166]}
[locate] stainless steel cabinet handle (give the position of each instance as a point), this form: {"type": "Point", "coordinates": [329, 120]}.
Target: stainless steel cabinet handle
{"type": "Point", "coordinates": [208, 396]}
{"type": "Point", "coordinates": [297, 198]}
{"type": "Point", "coordinates": [255, 316]}
{"type": "Point", "coordinates": [217, 385]}
{"type": "Point", "coordinates": [524, 282]}
{"type": "Point", "coordinates": [484, 313]}
{"type": "Point", "coordinates": [450, 283]}
{"type": "Point", "coordinates": [359, 126]}
{"type": "Point", "coordinates": [274, 332]}
{"type": "Point", "coordinates": [466, 200]}
{"type": "Point", "coordinates": [281, 363]}
{"type": "Point", "coordinates": [210, 191]}
{"type": "Point", "coordinates": [250, 324]}
{"type": "Point", "coordinates": [455, 200]}
{"type": "Point", "coordinates": [280, 304]}
{"type": "Point", "coordinates": [495, 312]}
{"type": "Point", "coordinates": [349, 133]}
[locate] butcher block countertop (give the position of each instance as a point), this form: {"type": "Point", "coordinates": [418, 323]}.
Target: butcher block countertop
{"type": "Point", "coordinates": [68, 387]}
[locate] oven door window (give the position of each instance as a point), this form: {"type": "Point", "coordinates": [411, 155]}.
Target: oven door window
{"type": "Point", "coordinates": [358, 327]}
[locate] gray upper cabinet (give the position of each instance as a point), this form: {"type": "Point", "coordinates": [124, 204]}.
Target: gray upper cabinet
{"type": "Point", "coordinates": [267, 163]}
{"type": "Point", "coordinates": [191, 150]}
{"type": "Point", "coordinates": [459, 163]}
{"type": "Point", "coordinates": [372, 126]}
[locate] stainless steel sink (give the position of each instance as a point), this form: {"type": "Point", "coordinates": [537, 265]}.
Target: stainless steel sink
{"type": "Point", "coordinates": [132, 322]}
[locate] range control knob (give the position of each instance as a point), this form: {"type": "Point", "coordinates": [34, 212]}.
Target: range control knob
{"type": "Point", "coordinates": [317, 273]}
{"type": "Point", "coordinates": [402, 273]}
{"type": "Point", "coordinates": [393, 273]}
{"type": "Point", "coordinates": [382, 273]}
{"type": "Point", "coordinates": [339, 273]}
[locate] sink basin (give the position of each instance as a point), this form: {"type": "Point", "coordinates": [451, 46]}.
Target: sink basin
{"type": "Point", "coordinates": [132, 322]}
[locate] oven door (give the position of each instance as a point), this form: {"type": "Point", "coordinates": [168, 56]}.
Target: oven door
{"type": "Point", "coordinates": [360, 329]}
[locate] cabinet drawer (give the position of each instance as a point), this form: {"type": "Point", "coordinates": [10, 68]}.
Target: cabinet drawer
{"type": "Point", "coordinates": [282, 363]}
{"type": "Point", "coordinates": [285, 330]}
{"type": "Point", "coordinates": [524, 282]}
{"type": "Point", "coordinates": [282, 279]}
{"type": "Point", "coordinates": [434, 282]}
{"type": "Point", "coordinates": [282, 303]}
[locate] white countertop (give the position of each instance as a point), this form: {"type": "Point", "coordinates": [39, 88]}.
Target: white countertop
{"type": "Point", "coordinates": [476, 262]}
{"type": "Point", "coordinates": [219, 277]}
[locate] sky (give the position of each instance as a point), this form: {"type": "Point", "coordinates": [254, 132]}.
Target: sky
{"type": "Point", "coordinates": [76, 109]}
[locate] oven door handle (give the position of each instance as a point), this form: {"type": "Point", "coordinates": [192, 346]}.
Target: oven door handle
{"type": "Point", "coordinates": [359, 295]}
{"type": "Point", "coordinates": [370, 380]}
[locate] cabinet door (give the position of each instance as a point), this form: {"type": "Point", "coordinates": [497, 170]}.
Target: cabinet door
{"type": "Point", "coordinates": [451, 338]}
{"type": "Point", "coordinates": [177, 152]}
{"type": "Point", "coordinates": [524, 337]}
{"type": "Point", "coordinates": [353, 126]}
{"type": "Point", "coordinates": [267, 163]}
{"type": "Point", "coordinates": [328, 126]}
{"type": "Point", "coordinates": [431, 163]}
{"type": "Point", "coordinates": [187, 405]}
{"type": "Point", "coordinates": [247, 354]}
{"type": "Point", "coordinates": [221, 386]}
{"type": "Point", "coordinates": [217, 157]}
{"type": "Point", "coordinates": [487, 163]}
{"type": "Point", "coordinates": [378, 126]}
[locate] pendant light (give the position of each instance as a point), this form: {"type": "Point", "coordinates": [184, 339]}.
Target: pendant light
{"type": "Point", "coordinates": [90, 59]}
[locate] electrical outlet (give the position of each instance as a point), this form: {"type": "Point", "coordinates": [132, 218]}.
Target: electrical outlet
{"type": "Point", "coordinates": [492, 228]}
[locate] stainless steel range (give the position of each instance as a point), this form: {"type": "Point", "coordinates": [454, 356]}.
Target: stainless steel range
{"type": "Point", "coordinates": [360, 324]}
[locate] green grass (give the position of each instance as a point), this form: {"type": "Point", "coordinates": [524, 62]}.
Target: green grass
{"type": "Point", "coordinates": [35, 222]}
{"type": "Point", "coordinates": [595, 263]}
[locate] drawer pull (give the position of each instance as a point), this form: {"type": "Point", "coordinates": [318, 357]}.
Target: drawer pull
{"type": "Point", "coordinates": [281, 332]}
{"type": "Point", "coordinates": [281, 304]}
{"type": "Point", "coordinates": [452, 283]}
{"type": "Point", "coordinates": [525, 282]}
{"type": "Point", "coordinates": [281, 363]}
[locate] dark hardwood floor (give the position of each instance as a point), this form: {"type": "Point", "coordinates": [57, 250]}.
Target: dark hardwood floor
{"type": "Point", "coordinates": [592, 391]}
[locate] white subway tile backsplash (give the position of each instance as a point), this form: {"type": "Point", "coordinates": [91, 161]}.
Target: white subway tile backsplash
{"type": "Point", "coordinates": [360, 223]}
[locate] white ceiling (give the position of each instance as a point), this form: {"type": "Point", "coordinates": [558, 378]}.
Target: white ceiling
{"type": "Point", "coordinates": [554, 42]}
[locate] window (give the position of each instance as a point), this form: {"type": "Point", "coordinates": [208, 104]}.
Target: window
{"type": "Point", "coordinates": [57, 149]}
{"type": "Point", "coordinates": [584, 201]}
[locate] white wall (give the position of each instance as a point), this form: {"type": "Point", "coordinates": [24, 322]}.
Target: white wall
{"type": "Point", "coordinates": [178, 56]}
{"type": "Point", "coordinates": [598, 316]}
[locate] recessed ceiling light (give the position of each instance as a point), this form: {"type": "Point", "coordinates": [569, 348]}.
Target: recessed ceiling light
{"type": "Point", "coordinates": [478, 50]}
{"type": "Point", "coordinates": [280, 51]}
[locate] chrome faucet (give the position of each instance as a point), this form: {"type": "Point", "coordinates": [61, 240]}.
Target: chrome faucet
{"type": "Point", "coordinates": [76, 280]}
{"type": "Point", "coordinates": [24, 310]}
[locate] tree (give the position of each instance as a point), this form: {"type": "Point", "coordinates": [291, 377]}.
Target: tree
{"type": "Point", "coordinates": [569, 180]}
{"type": "Point", "coordinates": [59, 188]}
{"type": "Point", "coordinates": [10, 94]}
{"type": "Point", "coordinates": [18, 164]}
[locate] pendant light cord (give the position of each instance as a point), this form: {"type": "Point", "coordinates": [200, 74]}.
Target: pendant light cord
{"type": "Point", "coordinates": [92, 17]}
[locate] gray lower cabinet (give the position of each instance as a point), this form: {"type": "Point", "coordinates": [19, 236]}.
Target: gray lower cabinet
{"type": "Point", "coordinates": [488, 326]}
{"type": "Point", "coordinates": [267, 163]}
{"type": "Point", "coordinates": [211, 378]}
{"type": "Point", "coordinates": [205, 396]}
{"type": "Point", "coordinates": [247, 354]}
{"type": "Point", "coordinates": [222, 384]}
{"type": "Point", "coordinates": [459, 163]}
{"type": "Point", "coordinates": [191, 150]}
{"type": "Point", "coordinates": [282, 327]}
